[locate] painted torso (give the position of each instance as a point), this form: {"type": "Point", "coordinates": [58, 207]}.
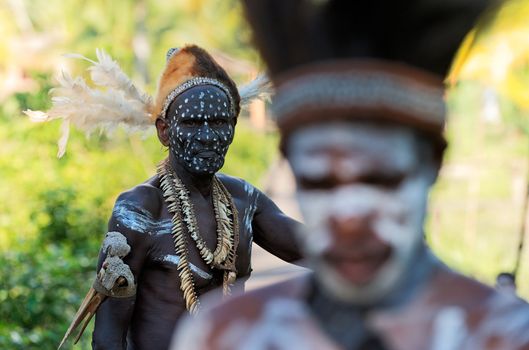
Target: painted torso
{"type": "Point", "coordinates": [450, 312]}
{"type": "Point", "coordinates": [159, 302]}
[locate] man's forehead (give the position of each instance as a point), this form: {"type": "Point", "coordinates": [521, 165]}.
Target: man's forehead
{"type": "Point", "coordinates": [203, 92]}
{"type": "Point", "coordinates": [202, 98]}
{"type": "Point", "coordinates": [394, 146]}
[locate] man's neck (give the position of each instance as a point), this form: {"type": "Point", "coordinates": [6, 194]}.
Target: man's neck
{"type": "Point", "coordinates": [193, 182]}
{"type": "Point", "coordinates": [339, 319]}
{"type": "Point", "coordinates": [417, 274]}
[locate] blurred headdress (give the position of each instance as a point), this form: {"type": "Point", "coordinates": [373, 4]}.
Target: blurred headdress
{"type": "Point", "coordinates": [381, 60]}
{"type": "Point", "coordinates": [115, 100]}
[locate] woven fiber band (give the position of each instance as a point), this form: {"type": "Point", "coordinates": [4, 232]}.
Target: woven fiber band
{"type": "Point", "coordinates": [196, 82]}
{"type": "Point", "coordinates": [350, 90]}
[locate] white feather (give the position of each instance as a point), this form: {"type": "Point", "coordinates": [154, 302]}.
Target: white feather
{"type": "Point", "coordinates": [78, 56]}
{"type": "Point", "coordinates": [107, 72]}
{"type": "Point", "coordinates": [90, 109]}
{"type": "Point", "coordinates": [36, 116]}
{"type": "Point", "coordinates": [63, 141]}
{"type": "Point", "coordinates": [259, 88]}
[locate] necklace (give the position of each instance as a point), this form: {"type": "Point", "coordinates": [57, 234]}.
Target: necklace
{"type": "Point", "coordinates": [223, 257]}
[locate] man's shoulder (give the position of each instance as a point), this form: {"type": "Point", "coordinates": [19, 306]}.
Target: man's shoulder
{"type": "Point", "coordinates": [237, 186]}
{"type": "Point", "coordinates": [506, 319]}
{"type": "Point", "coordinates": [490, 314]}
{"type": "Point", "coordinates": [469, 292]}
{"type": "Point", "coordinates": [144, 198]}
{"type": "Point", "coordinates": [251, 303]}
{"type": "Point", "coordinates": [219, 319]}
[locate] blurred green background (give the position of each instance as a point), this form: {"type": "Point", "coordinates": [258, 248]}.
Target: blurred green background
{"type": "Point", "coordinates": [53, 212]}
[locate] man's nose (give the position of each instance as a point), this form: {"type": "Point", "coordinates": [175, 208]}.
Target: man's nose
{"type": "Point", "coordinates": [349, 227]}
{"type": "Point", "coordinates": [206, 134]}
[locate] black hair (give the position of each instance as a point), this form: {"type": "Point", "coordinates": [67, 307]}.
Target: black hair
{"type": "Point", "coordinates": [421, 33]}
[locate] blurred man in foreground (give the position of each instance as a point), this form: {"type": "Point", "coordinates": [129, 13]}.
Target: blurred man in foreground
{"type": "Point", "coordinates": [360, 108]}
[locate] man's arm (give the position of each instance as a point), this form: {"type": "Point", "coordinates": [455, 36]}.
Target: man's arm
{"type": "Point", "coordinates": [114, 314]}
{"type": "Point", "coordinates": [274, 231]}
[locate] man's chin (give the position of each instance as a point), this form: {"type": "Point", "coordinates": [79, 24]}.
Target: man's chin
{"type": "Point", "coordinates": [204, 169]}
{"type": "Point", "coordinates": [205, 172]}
{"type": "Point", "coordinates": [356, 273]}
{"type": "Point", "coordinates": [361, 285]}
{"type": "Point", "coordinates": [358, 270]}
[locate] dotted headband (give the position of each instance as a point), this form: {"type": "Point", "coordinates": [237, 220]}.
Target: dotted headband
{"type": "Point", "coordinates": [196, 82]}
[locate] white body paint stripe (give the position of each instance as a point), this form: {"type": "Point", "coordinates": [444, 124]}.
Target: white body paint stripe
{"type": "Point", "coordinates": [175, 259]}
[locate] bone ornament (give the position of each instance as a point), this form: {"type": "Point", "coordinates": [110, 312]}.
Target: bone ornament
{"type": "Point", "coordinates": [115, 278]}
{"type": "Point", "coordinates": [115, 244]}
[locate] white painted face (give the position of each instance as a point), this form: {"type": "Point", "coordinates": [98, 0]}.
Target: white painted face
{"type": "Point", "coordinates": [362, 189]}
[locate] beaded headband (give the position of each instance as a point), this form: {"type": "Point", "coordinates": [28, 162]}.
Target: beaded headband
{"type": "Point", "coordinates": [196, 82]}
{"type": "Point", "coordinates": [356, 90]}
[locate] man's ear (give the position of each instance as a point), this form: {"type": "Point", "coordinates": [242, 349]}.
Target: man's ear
{"type": "Point", "coordinates": [162, 128]}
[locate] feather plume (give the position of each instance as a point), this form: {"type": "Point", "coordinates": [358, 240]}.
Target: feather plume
{"type": "Point", "coordinates": [259, 88]}
{"type": "Point", "coordinates": [36, 116]}
{"type": "Point", "coordinates": [63, 141]}
{"type": "Point", "coordinates": [106, 72]}
{"type": "Point", "coordinates": [114, 101]}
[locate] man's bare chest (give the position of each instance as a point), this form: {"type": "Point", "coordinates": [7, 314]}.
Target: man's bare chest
{"type": "Point", "coordinates": [162, 258]}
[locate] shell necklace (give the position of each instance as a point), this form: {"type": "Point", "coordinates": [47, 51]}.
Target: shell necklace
{"type": "Point", "coordinates": [223, 257]}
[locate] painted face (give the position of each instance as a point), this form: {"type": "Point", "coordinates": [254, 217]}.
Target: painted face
{"type": "Point", "coordinates": [201, 129]}
{"type": "Point", "coordinates": [362, 190]}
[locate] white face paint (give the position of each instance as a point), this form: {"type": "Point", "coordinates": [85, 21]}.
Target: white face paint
{"type": "Point", "coordinates": [362, 190]}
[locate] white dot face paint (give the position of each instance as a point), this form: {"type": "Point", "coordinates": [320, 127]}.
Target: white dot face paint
{"type": "Point", "coordinates": [201, 140]}
{"type": "Point", "coordinates": [362, 191]}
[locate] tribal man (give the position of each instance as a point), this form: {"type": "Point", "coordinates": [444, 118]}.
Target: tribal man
{"type": "Point", "coordinates": [360, 108]}
{"type": "Point", "coordinates": [188, 229]}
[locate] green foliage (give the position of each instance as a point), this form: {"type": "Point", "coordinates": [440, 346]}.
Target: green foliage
{"type": "Point", "coordinates": [41, 285]}
{"type": "Point", "coordinates": [252, 153]}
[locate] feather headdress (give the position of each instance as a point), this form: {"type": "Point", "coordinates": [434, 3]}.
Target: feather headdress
{"type": "Point", "coordinates": [259, 88]}
{"type": "Point", "coordinates": [114, 100]}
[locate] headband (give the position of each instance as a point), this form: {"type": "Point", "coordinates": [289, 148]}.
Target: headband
{"type": "Point", "coordinates": [197, 82]}
{"type": "Point", "coordinates": [359, 90]}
